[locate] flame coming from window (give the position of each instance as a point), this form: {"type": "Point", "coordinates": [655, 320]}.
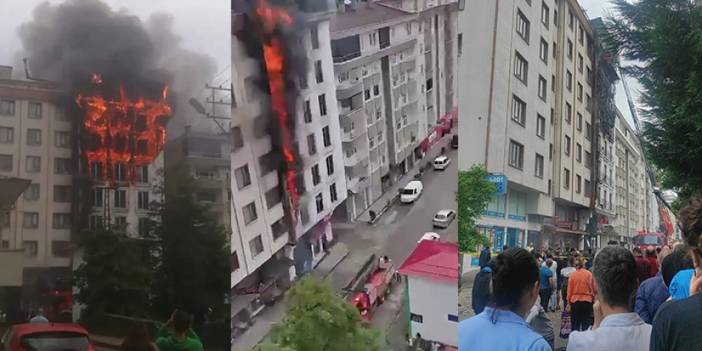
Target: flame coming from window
{"type": "Point", "coordinates": [273, 54]}
{"type": "Point", "coordinates": [125, 132]}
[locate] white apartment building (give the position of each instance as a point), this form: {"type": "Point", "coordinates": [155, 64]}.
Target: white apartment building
{"type": "Point", "coordinates": [631, 182]}
{"type": "Point", "coordinates": [394, 83]}
{"type": "Point", "coordinates": [260, 216]}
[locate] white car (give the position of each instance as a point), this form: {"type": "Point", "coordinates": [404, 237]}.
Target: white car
{"type": "Point", "coordinates": [441, 162]}
{"type": "Point", "coordinates": [411, 192]}
{"type": "Point", "coordinates": [443, 218]}
{"type": "Point", "coordinates": [430, 236]}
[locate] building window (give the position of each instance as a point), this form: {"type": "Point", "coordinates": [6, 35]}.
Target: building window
{"type": "Point", "coordinates": [522, 26]}
{"type": "Point", "coordinates": [33, 164]}
{"type": "Point", "coordinates": [242, 176]}
{"type": "Point", "coordinates": [63, 193]}
{"type": "Point", "coordinates": [314, 36]}
{"type": "Point", "coordinates": [540, 126]}
{"type": "Point", "coordinates": [518, 110]}
{"type": "Point", "coordinates": [143, 200]}
{"type": "Point", "coordinates": [34, 110]}
{"type": "Point", "coordinates": [543, 51]}
{"type": "Point", "coordinates": [581, 35]}
{"type": "Point", "coordinates": [321, 99]}
{"type": "Point", "coordinates": [311, 145]}
{"type": "Point", "coordinates": [569, 112]}
{"type": "Point", "coordinates": [545, 15]}
{"type": "Point", "coordinates": [588, 188]}
{"type": "Point", "coordinates": [61, 221]}
{"type": "Point", "coordinates": [521, 68]}
{"type": "Point", "coordinates": [273, 197]}
{"type": "Point", "coordinates": [326, 137]}
{"type": "Point", "coordinates": [250, 214]}
{"type": "Point", "coordinates": [566, 146]}
{"type": "Point", "coordinates": [6, 163]}
{"type": "Point", "coordinates": [120, 172]}
{"type": "Point", "coordinates": [588, 160]}
{"type": "Point", "coordinates": [32, 192]}
{"type": "Point", "coordinates": [516, 154]}
{"type": "Point", "coordinates": [578, 181]}
{"type": "Point", "coordinates": [589, 75]}
{"type": "Point", "coordinates": [307, 111]}
{"type": "Point", "coordinates": [367, 94]}
{"type": "Point", "coordinates": [63, 139]}
{"type": "Point", "coordinates": [120, 199]}
{"type": "Point", "coordinates": [7, 135]}
{"type": "Point", "coordinates": [569, 48]}
{"type": "Point", "coordinates": [34, 137]}
{"type": "Point", "coordinates": [30, 220]}
{"type": "Point", "coordinates": [570, 19]}
{"type": "Point", "coordinates": [234, 262]}
{"type": "Point", "coordinates": [256, 246]}
{"type": "Point", "coordinates": [580, 63]}
{"type": "Point", "coordinates": [278, 228]}
{"type": "Point", "coordinates": [95, 222]}
{"type": "Point", "coordinates": [417, 318]}
{"type": "Point", "coordinates": [569, 81]}
{"type": "Point", "coordinates": [588, 131]}
{"type": "Point", "coordinates": [7, 107]}
{"type": "Point", "coordinates": [376, 90]}
{"type": "Point", "coordinates": [142, 174]}
{"type": "Point", "coordinates": [330, 164]}
{"type": "Point", "coordinates": [460, 44]}
{"type": "Point", "coordinates": [332, 193]}
{"type": "Point", "coordinates": [588, 102]}
{"type": "Point", "coordinates": [143, 226]}
{"type": "Point", "coordinates": [566, 178]}
{"type": "Point", "coordinates": [31, 248]}
{"type": "Point", "coordinates": [543, 88]}
{"type": "Point", "coordinates": [98, 197]}
{"type": "Point", "coordinates": [579, 122]}
{"type": "Point", "coordinates": [237, 139]}
{"type": "Point", "coordinates": [539, 166]}
{"type": "Point", "coordinates": [61, 248]}
{"type": "Point", "coordinates": [578, 152]}
{"type": "Point", "coordinates": [580, 92]}
{"type": "Point", "coordinates": [318, 74]}
{"type": "Point", "coordinates": [554, 50]}
{"type": "Point", "coordinates": [62, 165]}
{"type": "Point", "coordinates": [319, 202]}
{"type": "Point", "coordinates": [4, 221]}
{"type": "Point", "coordinates": [316, 178]}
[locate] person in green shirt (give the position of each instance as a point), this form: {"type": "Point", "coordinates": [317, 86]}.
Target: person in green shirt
{"type": "Point", "coordinates": [177, 334]}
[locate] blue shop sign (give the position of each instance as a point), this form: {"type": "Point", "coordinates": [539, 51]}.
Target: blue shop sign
{"type": "Point", "coordinates": [500, 181]}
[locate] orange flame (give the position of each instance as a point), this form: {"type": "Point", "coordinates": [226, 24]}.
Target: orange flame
{"type": "Point", "coordinates": [273, 54]}
{"type": "Point", "coordinates": [131, 133]}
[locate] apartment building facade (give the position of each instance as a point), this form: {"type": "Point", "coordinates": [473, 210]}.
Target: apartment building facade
{"type": "Point", "coordinates": [394, 65]}
{"type": "Point", "coordinates": [631, 182]}
{"type": "Point", "coordinates": [265, 247]}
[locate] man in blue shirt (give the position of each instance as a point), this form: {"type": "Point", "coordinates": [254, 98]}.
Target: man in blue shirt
{"type": "Point", "coordinates": [546, 283]}
{"type": "Point", "coordinates": [484, 257]}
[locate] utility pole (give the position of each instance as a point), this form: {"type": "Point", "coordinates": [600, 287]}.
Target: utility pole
{"type": "Point", "coordinates": [214, 102]}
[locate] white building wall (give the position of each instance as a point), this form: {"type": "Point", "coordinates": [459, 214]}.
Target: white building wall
{"type": "Point", "coordinates": [435, 301]}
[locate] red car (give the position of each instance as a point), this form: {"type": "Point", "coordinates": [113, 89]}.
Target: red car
{"type": "Point", "coordinates": [46, 337]}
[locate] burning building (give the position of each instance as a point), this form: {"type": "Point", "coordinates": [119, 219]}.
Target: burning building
{"type": "Point", "coordinates": [287, 158]}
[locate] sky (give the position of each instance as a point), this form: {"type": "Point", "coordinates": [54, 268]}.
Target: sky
{"type": "Point", "coordinates": [204, 26]}
{"type": "Point", "coordinates": [603, 8]}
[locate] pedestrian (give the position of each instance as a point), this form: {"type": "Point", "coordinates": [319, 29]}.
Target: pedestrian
{"type": "Point", "coordinates": [651, 294]}
{"type": "Point", "coordinates": [616, 327]}
{"type": "Point", "coordinates": [652, 260]}
{"type": "Point", "coordinates": [418, 342]}
{"type": "Point", "coordinates": [553, 300]}
{"type": "Point", "coordinates": [177, 334]}
{"type": "Point", "coordinates": [39, 317]}
{"type": "Point", "coordinates": [540, 323]}
{"type": "Point", "coordinates": [678, 260]}
{"type": "Point", "coordinates": [137, 339]}
{"type": "Point", "coordinates": [480, 295]}
{"type": "Point", "coordinates": [515, 288]}
{"type": "Point", "coordinates": [530, 247]}
{"type": "Point", "coordinates": [643, 268]}
{"type": "Point", "coordinates": [485, 256]}
{"type": "Point", "coordinates": [565, 275]}
{"type": "Point", "coordinates": [581, 293]}
{"type": "Point", "coordinates": [504, 248]}
{"type": "Point", "coordinates": [677, 324]}
{"type": "Point", "coordinates": [546, 282]}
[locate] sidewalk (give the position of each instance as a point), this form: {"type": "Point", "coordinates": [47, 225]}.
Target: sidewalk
{"type": "Point", "coordinates": [391, 193]}
{"type": "Point", "coordinates": [274, 314]}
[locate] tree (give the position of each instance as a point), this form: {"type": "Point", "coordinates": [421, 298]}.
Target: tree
{"type": "Point", "coordinates": [474, 192]}
{"type": "Point", "coordinates": [115, 274]}
{"type": "Point", "coordinates": [319, 320]}
{"type": "Point", "coordinates": [271, 347]}
{"type": "Point", "coordinates": [664, 40]}
{"type": "Point", "coordinates": [193, 270]}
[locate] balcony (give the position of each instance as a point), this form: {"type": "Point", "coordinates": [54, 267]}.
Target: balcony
{"type": "Point", "coordinates": [352, 119]}
{"type": "Point", "coordinates": [351, 134]}
{"type": "Point", "coordinates": [348, 88]}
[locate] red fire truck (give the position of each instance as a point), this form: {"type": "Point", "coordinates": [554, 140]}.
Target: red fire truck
{"type": "Point", "coordinates": [371, 285]}
{"type": "Point", "coordinates": [646, 239]}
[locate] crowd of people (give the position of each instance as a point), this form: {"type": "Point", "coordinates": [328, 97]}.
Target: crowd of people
{"type": "Point", "coordinates": [617, 299]}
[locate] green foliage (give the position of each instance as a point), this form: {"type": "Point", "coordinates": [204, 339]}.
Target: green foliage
{"type": "Point", "coordinates": [115, 275]}
{"type": "Point", "coordinates": [193, 274]}
{"type": "Point", "coordinates": [271, 347]}
{"type": "Point", "coordinates": [319, 320]}
{"type": "Point", "coordinates": [664, 39]}
{"type": "Point", "coordinates": [474, 193]}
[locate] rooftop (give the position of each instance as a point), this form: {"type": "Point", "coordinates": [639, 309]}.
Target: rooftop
{"type": "Point", "coordinates": [364, 15]}
{"type": "Point", "coordinates": [434, 260]}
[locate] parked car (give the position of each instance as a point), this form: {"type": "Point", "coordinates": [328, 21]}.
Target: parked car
{"type": "Point", "coordinates": [430, 236]}
{"type": "Point", "coordinates": [454, 141]}
{"type": "Point", "coordinates": [46, 337]}
{"type": "Point", "coordinates": [443, 218]}
{"type": "Point", "coordinates": [411, 192]}
{"type": "Point", "coordinates": [441, 162]}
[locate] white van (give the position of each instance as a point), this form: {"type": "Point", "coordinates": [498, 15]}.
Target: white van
{"type": "Point", "coordinates": [411, 192]}
{"type": "Point", "coordinates": [441, 162]}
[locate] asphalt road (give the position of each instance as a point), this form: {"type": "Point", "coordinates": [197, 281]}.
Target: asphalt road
{"type": "Point", "coordinates": [398, 230]}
